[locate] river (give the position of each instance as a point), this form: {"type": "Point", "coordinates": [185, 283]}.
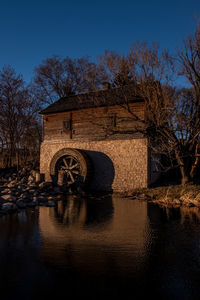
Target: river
{"type": "Point", "coordinates": [100, 248]}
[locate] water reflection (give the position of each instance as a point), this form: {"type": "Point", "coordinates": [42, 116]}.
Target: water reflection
{"type": "Point", "coordinates": [19, 250]}
{"type": "Point", "coordinates": [174, 252]}
{"type": "Point", "coordinates": [71, 211]}
{"type": "Point", "coordinates": [84, 211]}
{"type": "Point", "coordinates": [90, 235]}
{"type": "Point", "coordinates": [101, 248]}
{"type": "Point", "coordinates": [181, 214]}
{"type": "Point", "coordinates": [185, 213]}
{"type": "Point", "coordinates": [99, 211]}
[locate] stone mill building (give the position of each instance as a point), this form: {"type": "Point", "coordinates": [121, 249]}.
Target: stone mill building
{"type": "Point", "coordinates": [95, 140]}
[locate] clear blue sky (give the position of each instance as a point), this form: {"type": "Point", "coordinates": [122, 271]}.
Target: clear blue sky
{"type": "Point", "coordinates": [34, 30]}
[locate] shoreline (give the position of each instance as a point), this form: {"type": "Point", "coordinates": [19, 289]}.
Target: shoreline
{"type": "Point", "coordinates": [20, 189]}
{"type": "Point", "coordinates": [170, 196]}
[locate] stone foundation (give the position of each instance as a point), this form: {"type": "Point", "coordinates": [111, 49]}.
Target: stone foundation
{"type": "Point", "coordinates": [119, 165]}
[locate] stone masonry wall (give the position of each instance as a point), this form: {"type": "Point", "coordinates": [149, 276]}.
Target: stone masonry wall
{"type": "Point", "coordinates": [119, 165]}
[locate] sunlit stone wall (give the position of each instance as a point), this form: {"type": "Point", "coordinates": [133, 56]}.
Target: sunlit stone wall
{"type": "Point", "coordinates": [119, 165]}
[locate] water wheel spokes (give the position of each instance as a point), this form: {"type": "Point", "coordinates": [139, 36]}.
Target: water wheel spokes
{"type": "Point", "coordinates": [73, 166]}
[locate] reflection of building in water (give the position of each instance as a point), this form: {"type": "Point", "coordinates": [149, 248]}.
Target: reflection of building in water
{"type": "Point", "coordinates": [100, 232]}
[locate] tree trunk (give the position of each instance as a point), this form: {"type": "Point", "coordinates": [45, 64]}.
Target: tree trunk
{"type": "Point", "coordinates": [194, 167]}
{"type": "Point", "coordinates": [184, 168]}
{"type": "Point", "coordinates": [185, 178]}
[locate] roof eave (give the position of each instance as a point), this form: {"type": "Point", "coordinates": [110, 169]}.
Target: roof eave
{"type": "Point", "coordinates": [46, 112]}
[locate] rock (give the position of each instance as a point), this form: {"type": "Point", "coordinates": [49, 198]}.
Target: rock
{"type": "Point", "coordinates": [3, 180]}
{"type": "Point", "coordinates": [32, 185]}
{"type": "Point", "coordinates": [33, 173]}
{"type": "Point", "coordinates": [24, 195]}
{"type": "Point", "coordinates": [42, 199]}
{"type": "Point", "coordinates": [20, 203]}
{"type": "Point", "coordinates": [57, 189]}
{"type": "Point", "coordinates": [58, 197]}
{"type": "Point", "coordinates": [23, 180]}
{"type": "Point", "coordinates": [50, 204]}
{"type": "Point", "coordinates": [35, 201]}
{"type": "Point", "coordinates": [44, 194]}
{"type": "Point", "coordinates": [30, 179]}
{"type": "Point", "coordinates": [12, 183]}
{"type": "Point", "coordinates": [27, 199]}
{"type": "Point", "coordinates": [6, 191]}
{"type": "Point", "coordinates": [9, 207]}
{"type": "Point", "coordinates": [32, 203]}
{"type": "Point", "coordinates": [22, 172]}
{"type": "Point", "coordinates": [69, 191]}
{"type": "Point", "coordinates": [47, 204]}
{"type": "Point", "coordinates": [16, 194]}
{"type": "Point", "coordinates": [31, 191]}
{"type": "Point", "coordinates": [37, 177]}
{"type": "Point", "coordinates": [8, 197]}
{"type": "Point", "coordinates": [142, 197]}
{"type": "Point", "coordinates": [45, 184]}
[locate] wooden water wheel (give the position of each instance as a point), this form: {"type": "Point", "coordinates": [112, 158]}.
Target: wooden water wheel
{"type": "Point", "coordinates": [74, 165]}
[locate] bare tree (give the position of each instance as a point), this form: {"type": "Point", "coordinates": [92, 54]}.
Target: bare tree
{"type": "Point", "coordinates": [57, 77]}
{"type": "Point", "coordinates": [171, 123]}
{"type": "Point", "coordinates": [189, 67]}
{"type": "Point", "coordinates": [172, 116]}
{"type": "Point", "coordinates": [172, 120]}
{"type": "Point", "coordinates": [117, 68]}
{"type": "Point", "coordinates": [17, 116]}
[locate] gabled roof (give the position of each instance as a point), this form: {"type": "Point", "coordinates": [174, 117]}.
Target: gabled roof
{"type": "Point", "coordinates": [108, 97]}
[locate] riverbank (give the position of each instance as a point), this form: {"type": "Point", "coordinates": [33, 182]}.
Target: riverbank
{"type": "Point", "coordinates": [20, 189]}
{"type": "Point", "coordinates": [171, 196]}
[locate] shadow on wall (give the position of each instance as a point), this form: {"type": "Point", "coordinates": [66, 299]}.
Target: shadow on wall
{"type": "Point", "coordinates": [103, 171]}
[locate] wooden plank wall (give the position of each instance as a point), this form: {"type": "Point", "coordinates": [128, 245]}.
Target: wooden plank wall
{"type": "Point", "coordinates": [112, 122]}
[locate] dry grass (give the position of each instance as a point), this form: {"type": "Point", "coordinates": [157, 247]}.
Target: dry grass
{"type": "Point", "coordinates": [173, 195]}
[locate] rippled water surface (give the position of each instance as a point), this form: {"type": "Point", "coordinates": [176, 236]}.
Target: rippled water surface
{"type": "Point", "coordinates": [100, 248]}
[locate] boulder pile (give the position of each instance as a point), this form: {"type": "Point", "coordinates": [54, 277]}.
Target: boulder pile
{"type": "Point", "coordinates": [23, 188]}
